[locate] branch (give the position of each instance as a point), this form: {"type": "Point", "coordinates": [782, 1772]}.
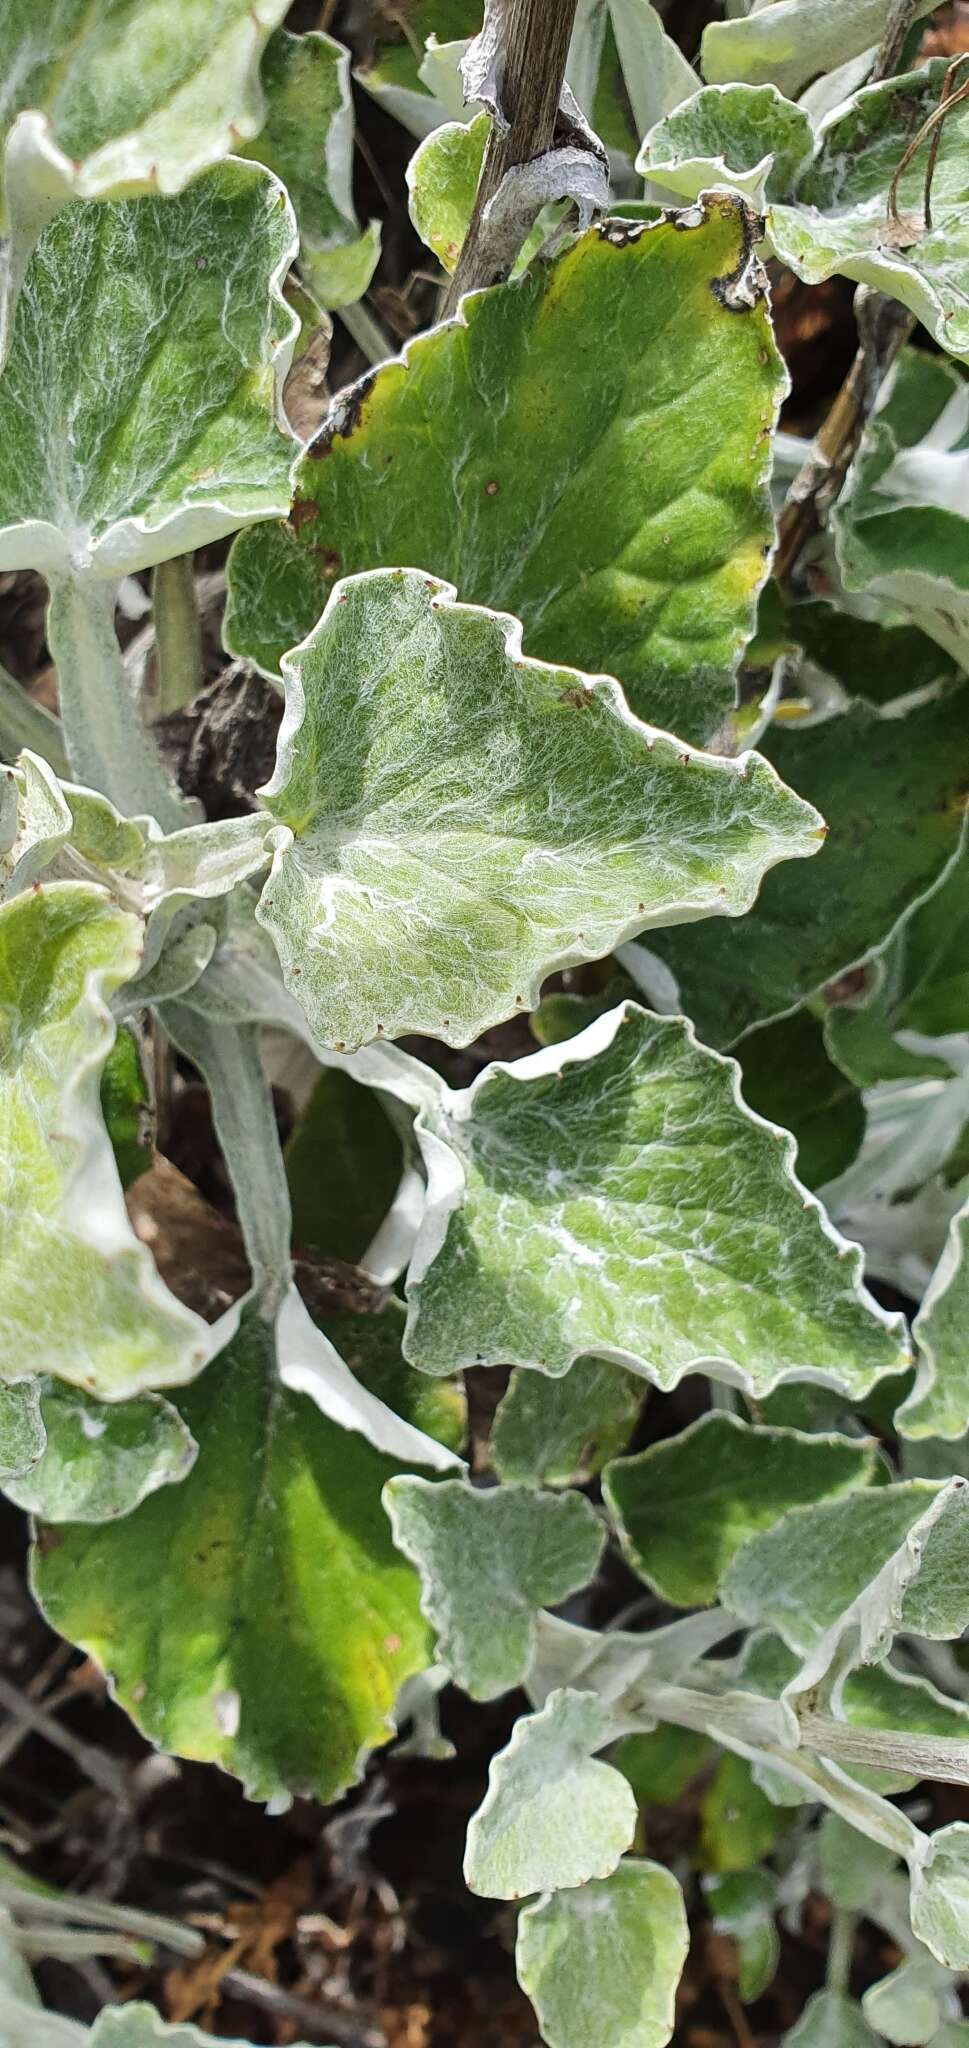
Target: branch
{"type": "Point", "coordinates": [883, 329]}
{"type": "Point", "coordinates": [534, 37]}
{"type": "Point", "coordinates": [901, 16]}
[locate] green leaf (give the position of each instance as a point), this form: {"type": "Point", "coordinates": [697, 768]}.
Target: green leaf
{"type": "Point", "coordinates": [101, 1461]}
{"type": "Point", "coordinates": [26, 724]}
{"type": "Point", "coordinates": [684, 1507]}
{"type": "Point", "coordinates": [307, 140]}
{"type": "Point", "coordinates": [839, 219]}
{"type": "Point", "coordinates": [343, 1165]}
{"type": "Point", "coordinates": [561, 1015]}
{"type": "Point", "coordinates": [749, 137]}
{"type": "Point", "coordinates": [939, 1402]}
{"type": "Point", "coordinates": [867, 657]}
{"type": "Point", "coordinates": [830, 2021]}
{"type": "Point", "coordinates": [339, 276]}
{"type": "Point", "coordinates": [442, 179]}
{"type": "Point", "coordinates": [743, 1904]}
{"type": "Point", "coordinates": [479, 820]}
{"type": "Point", "coordinates": [738, 1823]}
{"type": "Point", "coordinates": [789, 1079]}
{"type": "Point", "coordinates": [552, 1818]}
{"type": "Point", "coordinates": [551, 1432]}
{"type": "Point", "coordinates": [137, 407]}
{"type": "Point", "coordinates": [907, 2007]}
{"type": "Point", "coordinates": [140, 2026]}
{"type": "Point", "coordinates": [660, 589]}
{"type": "Point", "coordinates": [488, 1560]}
{"type": "Point", "coordinates": [555, 1183]}
{"type": "Point", "coordinates": [789, 42]}
{"type": "Point", "coordinates": [931, 992]}
{"type": "Point", "coordinates": [861, 1032]}
{"type": "Point", "coordinates": [602, 1964]}
{"type": "Point", "coordinates": [102, 1320]}
{"type": "Point", "coordinates": [901, 525]}
{"type": "Point", "coordinates": [370, 1344]}
{"type": "Point", "coordinates": [61, 829]}
{"type": "Point", "coordinates": [107, 98]}
{"type": "Point", "coordinates": [126, 1108]}
{"type": "Point", "coordinates": [893, 793]}
{"type": "Point", "coordinates": [940, 1895]}
{"type": "Point", "coordinates": [257, 1615]}
{"type": "Point", "coordinates": [853, 1867]}
{"type": "Point", "coordinates": [655, 72]}
{"type": "Point", "coordinates": [887, 1558]}
{"type": "Point", "coordinates": [397, 74]}
{"type": "Point", "coordinates": [661, 1765]}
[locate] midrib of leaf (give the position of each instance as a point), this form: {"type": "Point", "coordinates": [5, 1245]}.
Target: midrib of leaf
{"type": "Point", "coordinates": [178, 456]}
{"type": "Point", "coordinates": [156, 1648]}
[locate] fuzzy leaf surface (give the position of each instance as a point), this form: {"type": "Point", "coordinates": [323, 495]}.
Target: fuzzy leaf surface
{"type": "Point", "coordinates": [789, 42]}
{"type": "Point", "coordinates": [655, 72]}
{"type": "Point", "coordinates": [23, 1437]}
{"type": "Point", "coordinates": [902, 523]}
{"type": "Point", "coordinates": [137, 406]}
{"type": "Point", "coordinates": [107, 98]}
{"type": "Point", "coordinates": [442, 179]}
{"type": "Point", "coordinates": [940, 1896]}
{"type": "Point", "coordinates": [939, 1402]}
{"type": "Point", "coordinates": [907, 2006]}
{"type": "Point", "coordinates": [140, 2026]}
{"type": "Point", "coordinates": [307, 140]}
{"type": "Point", "coordinates": [488, 1560]}
{"type": "Point", "coordinates": [102, 1320]}
{"type": "Point", "coordinates": [456, 822]}
{"type": "Point", "coordinates": [839, 218]}
{"type": "Point", "coordinates": [830, 2021]}
{"type": "Point", "coordinates": [544, 396]}
{"type": "Point", "coordinates": [685, 1506]}
{"type": "Point", "coordinates": [62, 829]}
{"type": "Point", "coordinates": [893, 793]}
{"type": "Point", "coordinates": [257, 1615]}
{"type": "Point", "coordinates": [101, 1460]}
{"type": "Point", "coordinates": [613, 1196]}
{"type": "Point", "coordinates": [136, 95]}
{"type": "Point", "coordinates": [552, 1817]}
{"type": "Point", "coordinates": [747, 136]}
{"type": "Point", "coordinates": [602, 1963]}
{"type": "Point", "coordinates": [886, 1558]}
{"type": "Point", "coordinates": [549, 1432]}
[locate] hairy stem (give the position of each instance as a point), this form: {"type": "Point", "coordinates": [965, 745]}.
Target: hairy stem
{"type": "Point", "coordinates": [108, 746]}
{"type": "Point", "coordinates": [535, 37]}
{"type": "Point", "coordinates": [227, 1057]}
{"type": "Point", "coordinates": [942, 1758]}
{"type": "Point", "coordinates": [178, 636]}
{"type": "Point", "coordinates": [841, 1942]}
